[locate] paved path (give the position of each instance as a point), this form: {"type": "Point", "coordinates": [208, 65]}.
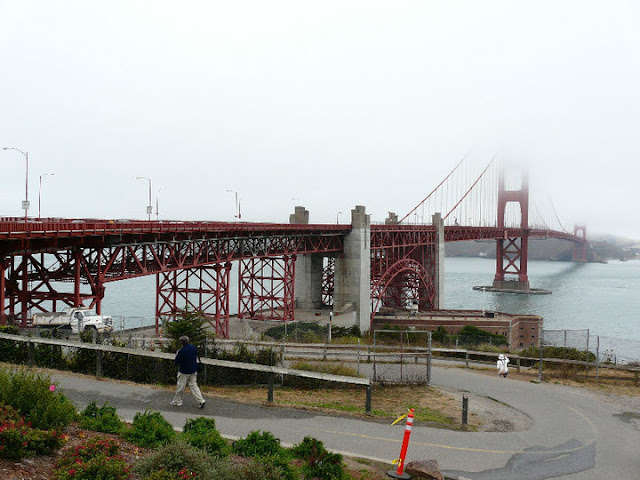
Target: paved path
{"type": "Point", "coordinates": [575, 434]}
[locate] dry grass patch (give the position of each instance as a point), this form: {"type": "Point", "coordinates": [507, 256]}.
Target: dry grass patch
{"type": "Point", "coordinates": [431, 405]}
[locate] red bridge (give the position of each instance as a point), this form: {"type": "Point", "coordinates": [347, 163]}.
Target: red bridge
{"type": "Point", "coordinates": [49, 264]}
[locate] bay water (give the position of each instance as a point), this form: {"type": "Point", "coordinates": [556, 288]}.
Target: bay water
{"type": "Point", "coordinates": [603, 298]}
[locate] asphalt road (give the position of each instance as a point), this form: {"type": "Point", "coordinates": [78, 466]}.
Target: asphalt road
{"type": "Point", "coordinates": [575, 434]}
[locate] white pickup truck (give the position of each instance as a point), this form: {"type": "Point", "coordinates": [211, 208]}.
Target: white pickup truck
{"type": "Point", "coordinates": [74, 319]}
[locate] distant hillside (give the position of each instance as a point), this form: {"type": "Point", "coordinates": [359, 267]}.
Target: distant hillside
{"type": "Point", "coordinates": [549, 249]}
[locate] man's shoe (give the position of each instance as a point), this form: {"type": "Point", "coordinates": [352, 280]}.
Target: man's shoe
{"type": "Point", "coordinates": [175, 404]}
{"type": "Point", "coordinates": [201, 405]}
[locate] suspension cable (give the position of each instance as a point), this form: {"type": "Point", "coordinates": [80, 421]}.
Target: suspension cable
{"type": "Point", "coordinates": [470, 188]}
{"type": "Point", "coordinates": [432, 191]}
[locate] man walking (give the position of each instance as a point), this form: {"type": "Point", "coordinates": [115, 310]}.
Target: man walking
{"type": "Point", "coordinates": [503, 365]}
{"type": "Point", "coordinates": [187, 360]}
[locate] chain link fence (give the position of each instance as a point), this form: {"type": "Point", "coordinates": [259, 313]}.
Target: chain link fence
{"type": "Point", "coordinates": [608, 350]}
{"type": "Point", "coordinates": [404, 357]}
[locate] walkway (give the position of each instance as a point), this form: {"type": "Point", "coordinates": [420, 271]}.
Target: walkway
{"type": "Point", "coordinates": [575, 434]}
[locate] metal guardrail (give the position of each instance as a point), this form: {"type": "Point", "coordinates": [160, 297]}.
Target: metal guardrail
{"type": "Point", "coordinates": [271, 370]}
{"type": "Point", "coordinates": [391, 353]}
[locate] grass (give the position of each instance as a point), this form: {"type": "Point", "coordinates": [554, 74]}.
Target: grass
{"type": "Point", "coordinates": [389, 401]}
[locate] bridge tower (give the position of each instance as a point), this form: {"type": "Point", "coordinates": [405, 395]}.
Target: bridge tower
{"type": "Point", "coordinates": [512, 252]}
{"type": "Point", "coordinates": [580, 248]}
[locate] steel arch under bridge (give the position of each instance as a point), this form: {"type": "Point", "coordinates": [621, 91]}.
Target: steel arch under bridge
{"type": "Point", "coordinates": [403, 267]}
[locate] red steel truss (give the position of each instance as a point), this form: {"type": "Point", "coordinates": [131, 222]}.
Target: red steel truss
{"type": "Point", "coordinates": [328, 275]}
{"type": "Point", "coordinates": [202, 289]}
{"type": "Point", "coordinates": [267, 288]}
{"type": "Point", "coordinates": [45, 266]}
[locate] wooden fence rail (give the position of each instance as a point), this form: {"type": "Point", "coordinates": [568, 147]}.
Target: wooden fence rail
{"type": "Point", "coordinates": [270, 370]}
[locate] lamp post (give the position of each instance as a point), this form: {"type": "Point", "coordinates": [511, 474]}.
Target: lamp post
{"type": "Point", "coordinates": [157, 195]}
{"type": "Point", "coordinates": [40, 192]}
{"type": "Point", "coordinates": [25, 203]}
{"type": "Point", "coordinates": [238, 215]}
{"type": "Point", "coordinates": [338, 217]}
{"type": "Point", "coordinates": [149, 206]}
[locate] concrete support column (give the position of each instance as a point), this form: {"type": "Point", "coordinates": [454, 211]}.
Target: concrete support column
{"type": "Point", "coordinates": [308, 276]}
{"type": "Point", "coordinates": [438, 274]}
{"type": "Point", "coordinates": [352, 280]}
{"type": "Point", "coordinates": [308, 282]}
{"type": "Point", "coordinates": [3, 286]}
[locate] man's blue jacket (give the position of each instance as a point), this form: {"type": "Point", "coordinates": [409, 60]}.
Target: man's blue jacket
{"type": "Point", "coordinates": [187, 359]}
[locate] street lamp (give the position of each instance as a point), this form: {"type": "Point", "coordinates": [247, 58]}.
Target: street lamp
{"type": "Point", "coordinates": [149, 207]}
{"type": "Point", "coordinates": [40, 191]}
{"type": "Point", "coordinates": [25, 203]}
{"type": "Point", "coordinates": [338, 217]}
{"type": "Point", "coordinates": [238, 215]}
{"type": "Point", "coordinates": [157, 195]}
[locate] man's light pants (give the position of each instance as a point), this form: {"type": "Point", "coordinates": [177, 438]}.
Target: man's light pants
{"type": "Point", "coordinates": [190, 380]}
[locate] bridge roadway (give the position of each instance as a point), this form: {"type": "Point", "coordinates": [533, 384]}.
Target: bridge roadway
{"type": "Point", "coordinates": [575, 433]}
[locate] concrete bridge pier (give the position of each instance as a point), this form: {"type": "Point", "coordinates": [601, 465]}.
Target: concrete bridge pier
{"type": "Point", "coordinates": [352, 278]}
{"type": "Point", "coordinates": [438, 265]}
{"type": "Point", "coordinates": [308, 277]}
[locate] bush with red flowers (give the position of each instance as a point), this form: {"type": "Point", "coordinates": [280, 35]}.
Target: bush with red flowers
{"type": "Point", "coordinates": [18, 439]}
{"type": "Point", "coordinates": [97, 458]}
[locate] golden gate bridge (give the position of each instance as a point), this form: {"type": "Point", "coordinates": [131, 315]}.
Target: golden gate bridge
{"type": "Point", "coordinates": [47, 264]}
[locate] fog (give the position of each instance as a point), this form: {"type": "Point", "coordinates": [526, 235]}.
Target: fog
{"type": "Point", "coordinates": [327, 104]}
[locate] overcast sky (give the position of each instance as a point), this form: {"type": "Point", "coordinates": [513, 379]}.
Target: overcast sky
{"type": "Point", "coordinates": [328, 103]}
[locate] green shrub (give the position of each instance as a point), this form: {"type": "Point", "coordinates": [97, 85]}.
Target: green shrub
{"type": "Point", "coordinates": [320, 462]}
{"type": "Point", "coordinates": [258, 444]}
{"type": "Point", "coordinates": [326, 466]}
{"type": "Point", "coordinates": [184, 474]}
{"type": "Point", "coordinates": [472, 335]}
{"type": "Point", "coordinates": [264, 468]}
{"type": "Point", "coordinates": [440, 335]}
{"type": "Point", "coordinates": [150, 430]}
{"type": "Point", "coordinates": [19, 440]}
{"type": "Point", "coordinates": [299, 331]}
{"type": "Point", "coordinates": [97, 459]}
{"type": "Point", "coordinates": [241, 353]}
{"type": "Point", "coordinates": [11, 351]}
{"type": "Point", "coordinates": [191, 324]}
{"type": "Point", "coordinates": [49, 356]}
{"type": "Point", "coordinates": [201, 433]}
{"type": "Point", "coordinates": [567, 353]}
{"type": "Point", "coordinates": [101, 419]}
{"type": "Point", "coordinates": [308, 448]}
{"type": "Point", "coordinates": [168, 461]}
{"type": "Point", "coordinates": [32, 396]}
